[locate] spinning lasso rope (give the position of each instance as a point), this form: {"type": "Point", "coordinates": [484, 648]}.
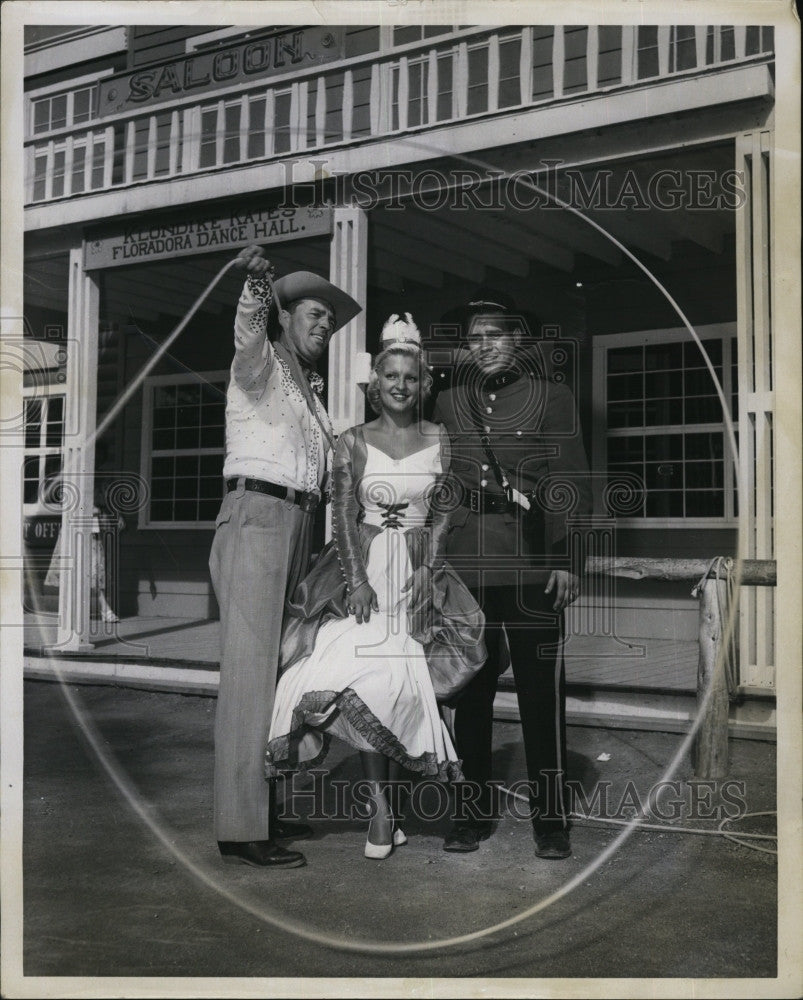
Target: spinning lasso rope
{"type": "Point", "coordinates": [280, 921]}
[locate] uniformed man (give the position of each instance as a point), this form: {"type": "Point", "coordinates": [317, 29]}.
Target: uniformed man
{"type": "Point", "coordinates": [276, 451]}
{"type": "Point", "coordinates": [522, 470]}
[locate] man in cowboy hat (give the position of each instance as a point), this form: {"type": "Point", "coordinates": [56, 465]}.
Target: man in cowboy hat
{"type": "Point", "coordinates": [517, 449]}
{"type": "Point", "coordinates": [277, 434]}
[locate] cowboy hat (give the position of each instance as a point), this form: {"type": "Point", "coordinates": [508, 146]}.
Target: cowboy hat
{"type": "Point", "coordinates": [306, 285]}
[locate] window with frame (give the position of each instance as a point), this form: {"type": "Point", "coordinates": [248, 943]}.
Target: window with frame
{"type": "Point", "coordinates": [183, 438]}
{"type": "Point", "coordinates": [664, 434]}
{"type": "Point", "coordinates": [73, 107]}
{"type": "Point", "coordinates": [43, 435]}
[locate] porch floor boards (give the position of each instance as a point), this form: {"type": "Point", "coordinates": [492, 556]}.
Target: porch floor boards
{"type": "Point", "coordinates": [591, 661]}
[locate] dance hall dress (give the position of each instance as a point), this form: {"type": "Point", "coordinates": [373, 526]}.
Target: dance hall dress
{"type": "Point", "coordinates": [376, 685]}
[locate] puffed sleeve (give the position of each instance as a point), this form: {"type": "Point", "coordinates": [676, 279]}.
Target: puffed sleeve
{"type": "Point", "coordinates": [345, 512]}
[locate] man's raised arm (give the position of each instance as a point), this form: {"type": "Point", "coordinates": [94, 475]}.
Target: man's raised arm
{"type": "Point", "coordinates": [253, 355]}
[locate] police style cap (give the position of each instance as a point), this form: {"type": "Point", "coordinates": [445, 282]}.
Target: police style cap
{"type": "Point", "coordinates": [306, 285]}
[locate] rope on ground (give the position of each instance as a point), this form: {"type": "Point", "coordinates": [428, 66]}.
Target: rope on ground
{"type": "Point", "coordinates": [737, 838]}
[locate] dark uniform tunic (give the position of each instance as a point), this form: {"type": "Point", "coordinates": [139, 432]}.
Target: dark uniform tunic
{"type": "Point", "coordinates": [506, 555]}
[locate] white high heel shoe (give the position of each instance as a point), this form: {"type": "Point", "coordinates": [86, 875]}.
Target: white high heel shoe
{"type": "Point", "coordinates": [377, 852]}
{"type": "Point", "coordinates": [399, 837]}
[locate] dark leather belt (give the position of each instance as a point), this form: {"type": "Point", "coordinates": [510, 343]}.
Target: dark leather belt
{"type": "Point", "coordinates": [306, 501]}
{"type": "Point", "coordinates": [487, 503]}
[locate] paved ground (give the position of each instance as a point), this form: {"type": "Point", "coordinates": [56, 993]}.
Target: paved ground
{"type": "Point", "coordinates": [104, 896]}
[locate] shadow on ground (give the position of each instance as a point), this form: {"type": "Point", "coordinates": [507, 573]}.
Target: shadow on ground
{"type": "Point", "coordinates": [105, 896]}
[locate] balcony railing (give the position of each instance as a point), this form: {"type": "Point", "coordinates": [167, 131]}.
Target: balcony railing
{"type": "Point", "coordinates": [475, 74]}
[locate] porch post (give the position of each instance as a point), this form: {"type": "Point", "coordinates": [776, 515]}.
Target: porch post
{"type": "Point", "coordinates": [79, 457]}
{"type": "Point", "coordinates": [348, 269]}
{"type": "Point", "coordinates": [756, 402]}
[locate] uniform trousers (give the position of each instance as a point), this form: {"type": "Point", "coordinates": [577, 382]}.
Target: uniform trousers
{"type": "Point", "coordinates": [259, 555]}
{"type": "Point", "coordinates": [534, 635]}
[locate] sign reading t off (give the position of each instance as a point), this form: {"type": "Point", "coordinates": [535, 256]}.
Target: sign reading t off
{"type": "Point", "coordinates": [206, 235]}
{"type": "Point", "coordinates": [207, 71]}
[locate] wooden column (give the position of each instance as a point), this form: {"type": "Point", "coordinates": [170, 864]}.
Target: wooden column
{"type": "Point", "coordinates": [711, 742]}
{"type": "Point", "coordinates": [348, 269]}
{"type": "Point", "coordinates": [79, 456]}
{"type": "Point", "coordinates": [754, 266]}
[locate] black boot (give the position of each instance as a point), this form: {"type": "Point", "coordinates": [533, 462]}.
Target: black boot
{"type": "Point", "coordinates": [260, 854]}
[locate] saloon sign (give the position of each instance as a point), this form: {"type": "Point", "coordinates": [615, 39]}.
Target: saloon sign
{"type": "Point", "coordinates": [137, 245]}
{"type": "Point", "coordinates": [206, 71]}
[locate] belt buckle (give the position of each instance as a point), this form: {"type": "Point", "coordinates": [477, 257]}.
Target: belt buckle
{"type": "Point", "coordinates": [308, 502]}
{"type": "Point", "coordinates": [474, 501]}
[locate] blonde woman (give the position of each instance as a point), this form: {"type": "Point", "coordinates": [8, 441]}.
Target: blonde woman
{"type": "Point", "coordinates": [382, 627]}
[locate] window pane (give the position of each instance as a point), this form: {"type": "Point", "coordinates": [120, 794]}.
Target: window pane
{"type": "Point", "coordinates": [162, 466]}
{"type": "Point", "coordinates": [207, 509]}
{"type": "Point", "coordinates": [187, 465]}
{"type": "Point", "coordinates": [256, 127]}
{"type": "Point", "coordinates": [212, 466]}
{"type": "Point", "coordinates": [574, 69]}
{"type": "Point", "coordinates": [281, 140]}
{"type": "Point", "coordinates": [41, 116]}
{"type": "Point", "coordinates": [186, 489]}
{"type": "Point", "coordinates": [186, 510]}
{"type": "Point", "coordinates": [703, 445]}
{"type": "Point", "coordinates": [626, 414]}
{"type": "Point", "coordinates": [80, 106]}
{"type": "Point", "coordinates": [360, 41]}
{"type": "Point", "coordinates": [406, 34]}
{"type": "Point", "coordinates": [647, 51]}
{"type": "Point", "coordinates": [659, 412]}
{"type": "Point", "coordinates": [30, 487]}
{"type": "Point", "coordinates": [98, 160]}
{"type": "Point", "coordinates": [693, 357]}
{"type": "Point", "coordinates": [627, 449]}
{"type": "Point", "coordinates": [33, 422]}
{"type": "Point", "coordinates": [78, 163]}
{"type": "Point", "coordinates": [208, 137]}
{"type": "Point", "coordinates": [231, 139]}
{"type": "Point", "coordinates": [58, 174]}
{"type": "Point", "coordinates": [663, 503]}
{"type": "Point", "coordinates": [478, 80]}
{"type": "Point", "coordinates": [212, 437]}
{"type": "Point", "coordinates": [542, 62]}
{"type": "Point", "coordinates": [705, 503]}
{"type": "Point", "coordinates": [58, 112]}
{"type": "Point", "coordinates": [663, 447]}
{"type": "Point", "coordinates": [39, 175]}
{"type": "Point", "coordinates": [609, 63]}
{"type": "Point", "coordinates": [686, 47]}
{"type": "Point", "coordinates": [509, 89]}
{"type": "Point", "coordinates": [161, 489]}
{"type": "Point", "coordinates": [626, 359]}
{"type": "Point", "coordinates": [622, 387]}
{"type": "Point", "coordinates": [187, 437]}
{"type": "Point", "coordinates": [663, 384]}
{"type": "Point", "coordinates": [445, 109]}
{"type": "Point", "coordinates": [663, 475]}
{"type": "Point", "coordinates": [703, 410]}
{"type": "Point", "coordinates": [162, 510]}
{"type": "Point", "coordinates": [660, 357]}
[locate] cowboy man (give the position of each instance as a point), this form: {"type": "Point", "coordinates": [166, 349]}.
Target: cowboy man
{"type": "Point", "coordinates": [277, 434]}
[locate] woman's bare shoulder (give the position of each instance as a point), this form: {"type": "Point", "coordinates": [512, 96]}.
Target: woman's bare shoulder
{"type": "Point", "coordinates": [428, 429]}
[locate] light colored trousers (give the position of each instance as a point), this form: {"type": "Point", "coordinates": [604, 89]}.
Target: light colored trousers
{"type": "Point", "coordinates": [259, 555]}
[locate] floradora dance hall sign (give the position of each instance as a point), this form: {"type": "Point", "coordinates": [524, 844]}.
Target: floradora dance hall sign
{"type": "Point", "coordinates": [201, 72]}
{"type": "Point", "coordinates": [205, 235]}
